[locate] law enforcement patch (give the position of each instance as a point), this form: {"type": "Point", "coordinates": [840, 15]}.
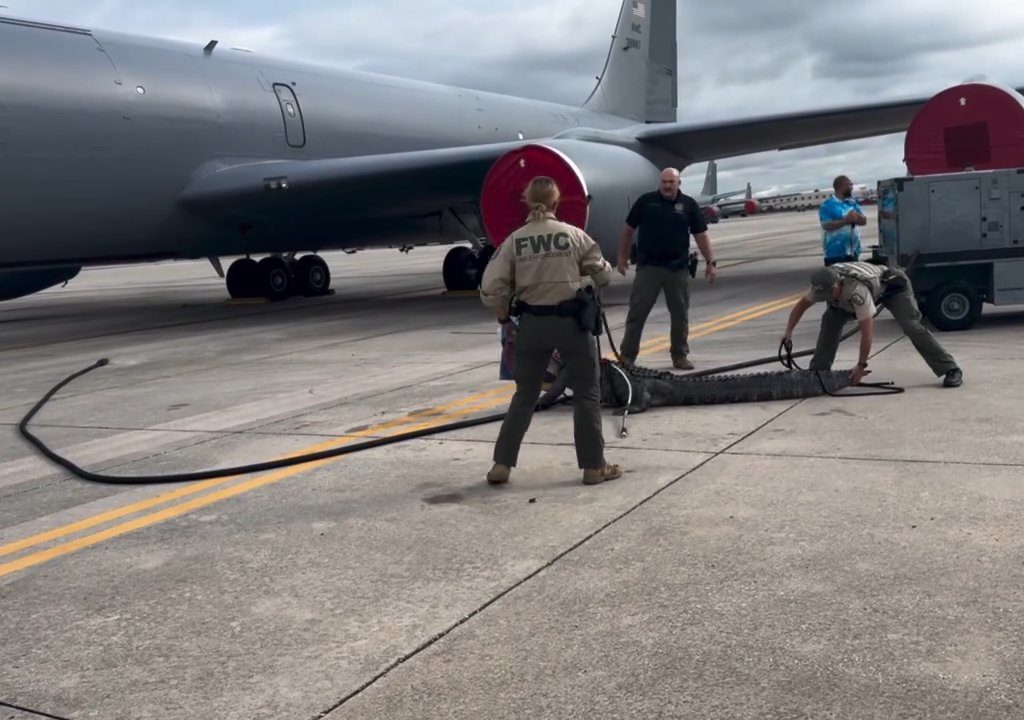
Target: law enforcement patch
{"type": "Point", "coordinates": [679, 207]}
{"type": "Point", "coordinates": [857, 299]}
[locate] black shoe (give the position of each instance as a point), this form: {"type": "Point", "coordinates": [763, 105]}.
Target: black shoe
{"type": "Point", "coordinates": [954, 378]}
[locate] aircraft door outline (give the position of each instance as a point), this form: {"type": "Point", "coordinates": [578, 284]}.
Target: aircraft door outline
{"type": "Point", "coordinates": [291, 113]}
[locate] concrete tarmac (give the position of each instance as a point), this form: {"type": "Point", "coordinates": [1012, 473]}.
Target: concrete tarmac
{"type": "Point", "coordinates": [823, 558]}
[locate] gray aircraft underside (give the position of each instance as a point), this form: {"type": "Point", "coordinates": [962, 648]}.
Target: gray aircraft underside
{"type": "Point", "coordinates": [116, 148]}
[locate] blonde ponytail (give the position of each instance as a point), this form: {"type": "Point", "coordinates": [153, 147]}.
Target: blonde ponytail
{"type": "Point", "coordinates": [542, 196]}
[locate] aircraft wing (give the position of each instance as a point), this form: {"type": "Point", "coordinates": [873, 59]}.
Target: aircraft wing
{"type": "Point", "coordinates": [394, 185]}
{"type": "Point", "coordinates": [709, 141]}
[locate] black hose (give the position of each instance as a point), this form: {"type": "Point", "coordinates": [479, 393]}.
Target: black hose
{"type": "Point", "coordinates": [222, 472]}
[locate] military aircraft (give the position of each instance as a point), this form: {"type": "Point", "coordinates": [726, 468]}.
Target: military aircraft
{"type": "Point", "coordinates": [709, 196]}
{"type": "Point", "coordinates": [747, 205]}
{"type": "Point", "coordinates": [116, 148]}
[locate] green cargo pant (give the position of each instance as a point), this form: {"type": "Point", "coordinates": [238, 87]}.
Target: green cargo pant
{"type": "Point", "coordinates": [648, 284]}
{"type": "Point", "coordinates": [904, 308]}
{"type": "Point", "coordinates": [536, 339]}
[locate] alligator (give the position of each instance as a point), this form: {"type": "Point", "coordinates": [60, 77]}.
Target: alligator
{"type": "Point", "coordinates": [633, 388]}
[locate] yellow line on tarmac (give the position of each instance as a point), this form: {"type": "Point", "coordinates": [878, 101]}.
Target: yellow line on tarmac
{"type": "Point", "coordinates": [659, 342]}
{"type": "Point", "coordinates": [423, 419]}
{"type": "Point", "coordinates": [167, 513]}
{"type": "Point", "coordinates": [200, 486]}
{"type": "Point", "coordinates": [752, 314]}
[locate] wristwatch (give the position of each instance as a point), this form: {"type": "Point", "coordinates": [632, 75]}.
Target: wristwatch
{"type": "Point", "coordinates": [862, 365]}
{"type": "Point", "coordinates": [712, 263]}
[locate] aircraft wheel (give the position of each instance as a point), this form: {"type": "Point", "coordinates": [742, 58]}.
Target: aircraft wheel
{"type": "Point", "coordinates": [459, 269]}
{"type": "Point", "coordinates": [312, 275]}
{"type": "Point", "coordinates": [242, 278]}
{"type": "Point", "coordinates": [275, 279]}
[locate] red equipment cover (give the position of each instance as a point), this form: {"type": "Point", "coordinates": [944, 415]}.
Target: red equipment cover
{"type": "Point", "coordinates": [501, 199]}
{"type": "Point", "coordinates": [973, 126]}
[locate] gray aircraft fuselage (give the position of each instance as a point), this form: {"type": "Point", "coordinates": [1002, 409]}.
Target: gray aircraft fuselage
{"type": "Point", "coordinates": [100, 132]}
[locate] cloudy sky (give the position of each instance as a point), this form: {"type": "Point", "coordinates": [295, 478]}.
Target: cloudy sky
{"type": "Point", "coordinates": [737, 58]}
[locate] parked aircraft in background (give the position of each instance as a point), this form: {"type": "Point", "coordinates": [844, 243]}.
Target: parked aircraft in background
{"type": "Point", "coordinates": [812, 199]}
{"type": "Point", "coordinates": [709, 195]}
{"type": "Point", "coordinates": [118, 148]}
{"type": "Point", "coordinates": [747, 205]}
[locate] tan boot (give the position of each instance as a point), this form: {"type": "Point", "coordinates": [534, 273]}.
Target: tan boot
{"type": "Point", "coordinates": [499, 474]}
{"type": "Point", "coordinates": [595, 476]}
{"type": "Point", "coordinates": [682, 363]}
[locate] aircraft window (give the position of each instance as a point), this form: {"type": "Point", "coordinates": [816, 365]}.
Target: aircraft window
{"type": "Point", "coordinates": [290, 109]}
{"type": "Point", "coordinates": [140, 90]}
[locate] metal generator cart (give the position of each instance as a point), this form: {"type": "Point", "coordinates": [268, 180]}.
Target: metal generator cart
{"type": "Point", "coordinates": [962, 237]}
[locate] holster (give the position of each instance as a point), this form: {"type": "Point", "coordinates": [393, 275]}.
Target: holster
{"type": "Point", "coordinates": [693, 265]}
{"type": "Point", "coordinates": [590, 311]}
{"type": "Point", "coordinates": [893, 283]}
{"type": "Point", "coordinates": [895, 280]}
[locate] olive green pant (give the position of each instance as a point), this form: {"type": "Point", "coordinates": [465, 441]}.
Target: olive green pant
{"type": "Point", "coordinates": [537, 338]}
{"type": "Point", "coordinates": [649, 282]}
{"type": "Point", "coordinates": [904, 308]}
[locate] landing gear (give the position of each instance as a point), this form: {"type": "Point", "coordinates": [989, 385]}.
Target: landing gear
{"type": "Point", "coordinates": [276, 278]}
{"type": "Point", "coordinates": [463, 268]}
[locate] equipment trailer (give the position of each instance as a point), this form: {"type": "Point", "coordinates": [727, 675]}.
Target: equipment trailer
{"type": "Point", "coordinates": [961, 237]}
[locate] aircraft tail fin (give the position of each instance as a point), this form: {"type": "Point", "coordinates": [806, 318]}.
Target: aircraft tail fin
{"type": "Point", "coordinates": [639, 77]}
{"type": "Point", "coordinates": [710, 180]}
{"type": "Point", "coordinates": [750, 192]}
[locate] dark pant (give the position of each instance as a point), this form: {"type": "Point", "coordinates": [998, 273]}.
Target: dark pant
{"type": "Point", "coordinates": [650, 281]}
{"type": "Point", "coordinates": [904, 308]}
{"type": "Point", "coordinates": [537, 338]}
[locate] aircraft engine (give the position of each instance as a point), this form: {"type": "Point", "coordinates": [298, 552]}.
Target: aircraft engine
{"type": "Point", "coordinates": [598, 182]}
{"type": "Point", "coordinates": [17, 283]}
{"type": "Point", "coordinates": [751, 206]}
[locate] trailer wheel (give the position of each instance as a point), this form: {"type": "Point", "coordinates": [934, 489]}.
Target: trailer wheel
{"type": "Point", "coordinates": [955, 306]}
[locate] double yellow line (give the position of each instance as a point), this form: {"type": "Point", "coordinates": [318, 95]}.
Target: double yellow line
{"type": "Point", "coordinates": [723, 323]}
{"type": "Point", "coordinates": [423, 419]}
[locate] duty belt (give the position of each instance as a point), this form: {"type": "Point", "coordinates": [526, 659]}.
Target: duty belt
{"type": "Point", "coordinates": [584, 307]}
{"type": "Point", "coordinates": [567, 308]}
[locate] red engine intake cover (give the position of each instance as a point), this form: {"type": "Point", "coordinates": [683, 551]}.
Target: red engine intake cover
{"type": "Point", "coordinates": [501, 199]}
{"type": "Point", "coordinates": [976, 125]}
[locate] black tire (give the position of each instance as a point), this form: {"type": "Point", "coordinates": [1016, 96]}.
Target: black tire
{"type": "Point", "coordinates": [481, 260]}
{"type": "Point", "coordinates": [459, 269]}
{"type": "Point", "coordinates": [275, 278]}
{"type": "Point", "coordinates": [954, 306]}
{"type": "Point", "coordinates": [312, 276]}
{"type": "Point", "coordinates": [242, 279]}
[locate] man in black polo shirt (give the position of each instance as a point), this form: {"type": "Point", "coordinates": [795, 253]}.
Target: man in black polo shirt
{"type": "Point", "coordinates": [666, 218]}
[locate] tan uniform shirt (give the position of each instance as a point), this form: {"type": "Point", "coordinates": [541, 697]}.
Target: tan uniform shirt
{"type": "Point", "coordinates": [543, 263]}
{"type": "Point", "coordinates": [855, 298]}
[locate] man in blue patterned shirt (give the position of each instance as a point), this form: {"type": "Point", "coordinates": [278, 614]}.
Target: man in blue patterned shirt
{"type": "Point", "coordinates": [840, 217]}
